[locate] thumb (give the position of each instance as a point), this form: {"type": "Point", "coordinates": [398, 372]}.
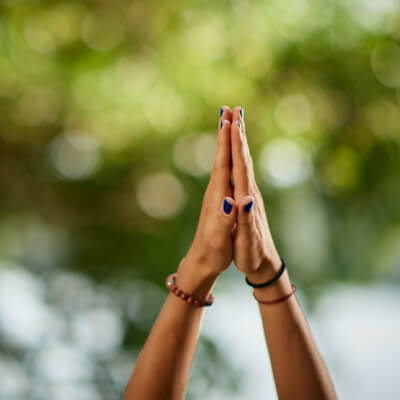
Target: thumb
{"type": "Point", "coordinates": [246, 215]}
{"type": "Point", "coordinates": [227, 214]}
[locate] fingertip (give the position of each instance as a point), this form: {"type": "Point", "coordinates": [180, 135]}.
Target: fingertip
{"type": "Point", "coordinates": [225, 113]}
{"type": "Point", "coordinates": [226, 108]}
{"type": "Point", "coordinates": [238, 113]}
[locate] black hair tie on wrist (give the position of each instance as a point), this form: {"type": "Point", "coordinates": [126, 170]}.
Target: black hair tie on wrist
{"type": "Point", "coordinates": [275, 278]}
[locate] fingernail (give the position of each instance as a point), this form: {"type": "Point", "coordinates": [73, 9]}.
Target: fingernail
{"type": "Point", "coordinates": [222, 123]}
{"type": "Point", "coordinates": [240, 126]}
{"type": "Point", "coordinates": [221, 111]}
{"type": "Point", "coordinates": [248, 206]}
{"type": "Point", "coordinates": [227, 207]}
{"type": "Point", "coordinates": [241, 112]}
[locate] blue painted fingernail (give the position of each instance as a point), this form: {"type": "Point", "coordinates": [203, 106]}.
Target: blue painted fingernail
{"type": "Point", "coordinates": [220, 126]}
{"type": "Point", "coordinates": [248, 206]}
{"type": "Point", "coordinates": [227, 207]}
{"type": "Point", "coordinates": [221, 111]}
{"type": "Point", "coordinates": [241, 112]}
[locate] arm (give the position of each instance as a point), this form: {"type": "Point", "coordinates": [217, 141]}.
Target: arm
{"type": "Point", "coordinates": [163, 367]}
{"type": "Point", "coordinates": [298, 368]}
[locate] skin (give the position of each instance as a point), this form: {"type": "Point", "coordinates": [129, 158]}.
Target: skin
{"type": "Point", "coordinates": [245, 238]}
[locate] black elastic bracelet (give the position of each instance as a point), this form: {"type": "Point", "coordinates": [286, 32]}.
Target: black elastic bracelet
{"type": "Point", "coordinates": [275, 278]}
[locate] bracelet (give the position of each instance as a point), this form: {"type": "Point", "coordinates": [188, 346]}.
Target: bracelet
{"type": "Point", "coordinates": [171, 285]}
{"type": "Point", "coordinates": [275, 278]}
{"type": "Point", "coordinates": [276, 301]}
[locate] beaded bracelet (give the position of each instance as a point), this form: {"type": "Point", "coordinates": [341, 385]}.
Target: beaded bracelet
{"type": "Point", "coordinates": [171, 285]}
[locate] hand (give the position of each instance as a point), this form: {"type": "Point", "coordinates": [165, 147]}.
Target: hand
{"type": "Point", "coordinates": [254, 251]}
{"type": "Point", "coordinates": [211, 250]}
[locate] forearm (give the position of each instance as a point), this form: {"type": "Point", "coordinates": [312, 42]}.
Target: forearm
{"type": "Point", "coordinates": [163, 367]}
{"type": "Point", "coordinates": [298, 367]}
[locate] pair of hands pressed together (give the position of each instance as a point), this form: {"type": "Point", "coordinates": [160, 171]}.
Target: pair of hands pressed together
{"type": "Point", "coordinates": [232, 226]}
{"type": "Point", "coordinates": [233, 223]}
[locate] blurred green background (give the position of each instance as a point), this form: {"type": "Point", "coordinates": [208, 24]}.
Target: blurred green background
{"type": "Point", "coordinates": [108, 118]}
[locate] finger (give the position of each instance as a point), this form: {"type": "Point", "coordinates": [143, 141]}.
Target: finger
{"type": "Point", "coordinates": [222, 162]}
{"type": "Point", "coordinates": [238, 115]}
{"type": "Point", "coordinates": [245, 208]}
{"type": "Point", "coordinates": [227, 215]}
{"type": "Point", "coordinates": [246, 227]}
{"type": "Point", "coordinates": [225, 113]}
{"type": "Point", "coordinates": [222, 155]}
{"type": "Point", "coordinates": [242, 166]}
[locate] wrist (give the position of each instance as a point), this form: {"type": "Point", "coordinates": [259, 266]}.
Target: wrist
{"type": "Point", "coordinates": [278, 289]}
{"type": "Point", "coordinates": [267, 270]}
{"type": "Point", "coordinates": [195, 278]}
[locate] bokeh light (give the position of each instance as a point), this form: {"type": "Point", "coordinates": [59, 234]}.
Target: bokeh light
{"type": "Point", "coordinates": [164, 109]}
{"type": "Point", "coordinates": [385, 61]}
{"type": "Point", "coordinates": [284, 163]}
{"type": "Point", "coordinates": [23, 314]}
{"type": "Point", "coordinates": [371, 14]}
{"type": "Point", "coordinates": [15, 381]}
{"type": "Point", "coordinates": [383, 118]}
{"type": "Point", "coordinates": [75, 155]}
{"type": "Point", "coordinates": [60, 362]}
{"type": "Point", "coordinates": [161, 195]}
{"type": "Point", "coordinates": [194, 154]}
{"type": "Point", "coordinates": [37, 106]}
{"type": "Point", "coordinates": [294, 113]}
{"type": "Point", "coordinates": [101, 33]}
{"type": "Point", "coordinates": [90, 324]}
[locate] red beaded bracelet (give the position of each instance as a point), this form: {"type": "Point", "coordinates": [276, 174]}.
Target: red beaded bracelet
{"type": "Point", "coordinates": [269, 302]}
{"type": "Point", "coordinates": [171, 285]}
